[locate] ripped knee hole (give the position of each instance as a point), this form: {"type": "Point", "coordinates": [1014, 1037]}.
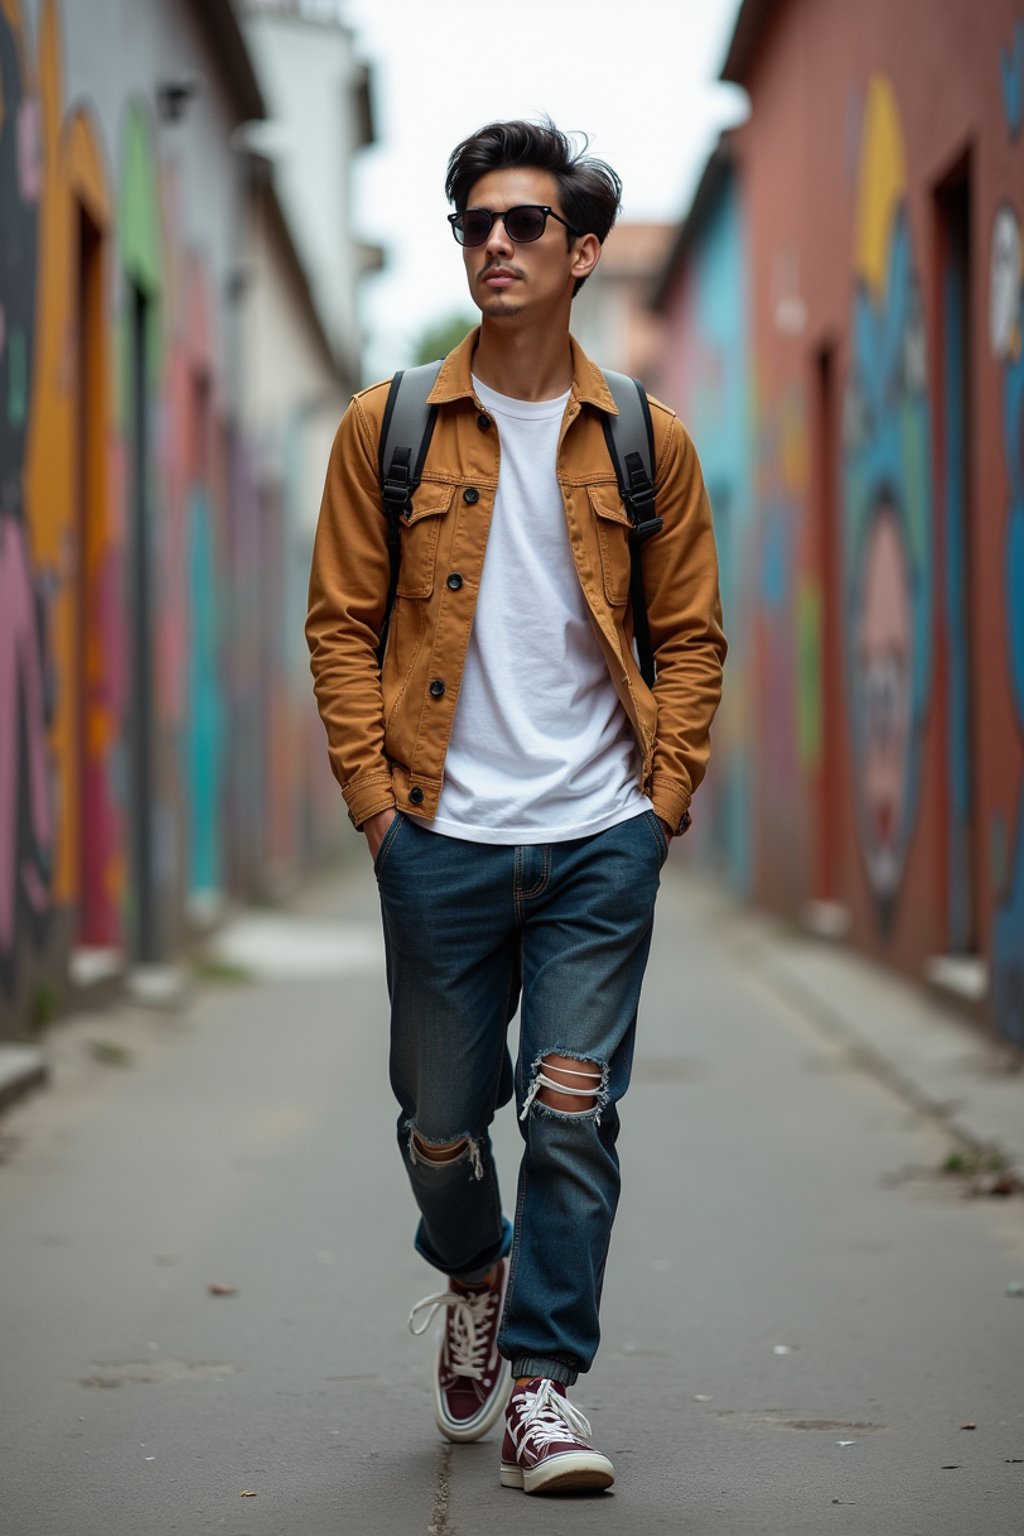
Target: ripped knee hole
{"type": "Point", "coordinates": [440, 1154]}
{"type": "Point", "coordinates": [446, 1152]}
{"type": "Point", "coordinates": [566, 1083]}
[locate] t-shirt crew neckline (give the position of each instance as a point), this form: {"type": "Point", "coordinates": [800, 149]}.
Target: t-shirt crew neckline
{"type": "Point", "coordinates": [522, 410]}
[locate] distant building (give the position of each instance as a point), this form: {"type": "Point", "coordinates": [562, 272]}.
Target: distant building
{"type": "Point", "coordinates": [845, 309]}
{"type": "Point", "coordinates": [611, 315]}
{"type": "Point", "coordinates": [176, 344]}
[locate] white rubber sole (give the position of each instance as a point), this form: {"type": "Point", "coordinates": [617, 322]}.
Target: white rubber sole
{"type": "Point", "coordinates": [572, 1471]}
{"type": "Point", "coordinates": [474, 1429]}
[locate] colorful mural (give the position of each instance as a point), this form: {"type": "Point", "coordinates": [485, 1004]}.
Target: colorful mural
{"type": "Point", "coordinates": [782, 675]}
{"type": "Point", "coordinates": [887, 521]}
{"type": "Point", "coordinates": [26, 676]}
{"type": "Point", "coordinates": [1006, 341]}
{"type": "Point", "coordinates": [1011, 79]}
{"type": "Point", "coordinates": [145, 739]}
{"type": "Point", "coordinates": [706, 376]}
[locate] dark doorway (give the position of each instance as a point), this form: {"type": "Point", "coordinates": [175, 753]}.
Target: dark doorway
{"type": "Point", "coordinates": [826, 513]}
{"type": "Point", "coordinates": [93, 902]}
{"type": "Point", "coordinates": [953, 207]}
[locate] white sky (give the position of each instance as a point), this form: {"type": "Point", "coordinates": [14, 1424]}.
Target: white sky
{"type": "Point", "coordinates": [640, 76]}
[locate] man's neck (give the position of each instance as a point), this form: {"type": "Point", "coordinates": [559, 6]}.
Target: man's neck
{"type": "Point", "coordinates": [524, 362]}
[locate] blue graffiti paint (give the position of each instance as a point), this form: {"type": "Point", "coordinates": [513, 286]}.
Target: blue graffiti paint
{"type": "Point", "coordinates": [1008, 928]}
{"type": "Point", "coordinates": [715, 404]}
{"type": "Point", "coordinates": [203, 736]}
{"type": "Point", "coordinates": [1008, 948]}
{"type": "Point", "coordinates": [1013, 427]}
{"type": "Point", "coordinates": [776, 558]}
{"type": "Point", "coordinates": [887, 563]}
{"type": "Point", "coordinates": [1011, 77]}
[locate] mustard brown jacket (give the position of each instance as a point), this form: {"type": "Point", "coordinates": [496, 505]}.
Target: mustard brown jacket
{"type": "Point", "coordinates": [388, 728]}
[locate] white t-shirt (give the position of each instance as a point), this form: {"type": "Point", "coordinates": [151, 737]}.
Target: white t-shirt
{"type": "Point", "coordinates": [540, 750]}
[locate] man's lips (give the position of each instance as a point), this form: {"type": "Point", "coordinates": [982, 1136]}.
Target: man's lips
{"type": "Point", "coordinates": [498, 277]}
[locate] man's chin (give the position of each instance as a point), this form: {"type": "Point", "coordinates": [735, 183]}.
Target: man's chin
{"type": "Point", "coordinates": [500, 309]}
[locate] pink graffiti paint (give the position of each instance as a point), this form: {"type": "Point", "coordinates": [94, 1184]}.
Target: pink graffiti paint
{"type": "Point", "coordinates": [30, 158]}
{"type": "Point", "coordinates": [21, 674]}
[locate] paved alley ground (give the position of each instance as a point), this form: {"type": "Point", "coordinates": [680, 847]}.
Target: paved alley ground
{"type": "Point", "coordinates": [801, 1313]}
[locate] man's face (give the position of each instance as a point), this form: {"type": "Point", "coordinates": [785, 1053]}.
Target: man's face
{"type": "Point", "coordinates": [507, 279]}
{"type": "Point", "coordinates": [884, 656]}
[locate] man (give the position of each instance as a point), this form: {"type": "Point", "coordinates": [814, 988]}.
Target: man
{"type": "Point", "coordinates": [517, 783]}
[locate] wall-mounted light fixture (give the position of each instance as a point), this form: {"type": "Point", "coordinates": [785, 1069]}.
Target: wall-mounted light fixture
{"type": "Point", "coordinates": [173, 96]}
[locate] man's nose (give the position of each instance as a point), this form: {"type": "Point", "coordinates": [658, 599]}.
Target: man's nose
{"type": "Point", "coordinates": [498, 242]}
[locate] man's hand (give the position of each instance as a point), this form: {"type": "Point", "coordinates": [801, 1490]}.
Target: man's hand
{"type": "Point", "coordinates": [375, 828]}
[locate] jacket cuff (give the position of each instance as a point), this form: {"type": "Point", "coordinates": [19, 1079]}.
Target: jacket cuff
{"type": "Point", "coordinates": [671, 803]}
{"type": "Point", "coordinates": [368, 796]}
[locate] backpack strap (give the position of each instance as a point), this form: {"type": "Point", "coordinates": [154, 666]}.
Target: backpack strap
{"type": "Point", "coordinates": [408, 420]}
{"type": "Point", "coordinates": [630, 440]}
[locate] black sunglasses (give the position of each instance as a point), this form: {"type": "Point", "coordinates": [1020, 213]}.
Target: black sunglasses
{"type": "Point", "coordinates": [523, 224]}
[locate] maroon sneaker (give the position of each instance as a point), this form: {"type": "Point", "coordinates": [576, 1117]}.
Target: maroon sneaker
{"type": "Point", "coordinates": [472, 1384]}
{"type": "Point", "coordinates": [547, 1443]}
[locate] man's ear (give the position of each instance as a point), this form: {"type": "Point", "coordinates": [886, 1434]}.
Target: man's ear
{"type": "Point", "coordinates": [588, 254]}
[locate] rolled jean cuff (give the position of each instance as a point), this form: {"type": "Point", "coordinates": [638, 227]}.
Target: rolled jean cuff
{"type": "Point", "coordinates": [481, 1271]}
{"type": "Point", "coordinates": [539, 1365]}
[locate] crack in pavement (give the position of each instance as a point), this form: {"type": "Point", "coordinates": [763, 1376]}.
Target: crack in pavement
{"type": "Point", "coordinates": [442, 1495]}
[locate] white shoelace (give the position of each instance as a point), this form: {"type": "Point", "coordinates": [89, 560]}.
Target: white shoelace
{"type": "Point", "coordinates": [548, 1417]}
{"type": "Point", "coordinates": [469, 1324]}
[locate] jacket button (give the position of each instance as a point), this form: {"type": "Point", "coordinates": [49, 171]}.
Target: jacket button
{"type": "Point", "coordinates": [436, 688]}
{"type": "Point", "coordinates": [454, 581]}
{"type": "Point", "coordinates": [415, 795]}
{"type": "Point", "coordinates": [471, 495]}
{"type": "Point", "coordinates": [483, 422]}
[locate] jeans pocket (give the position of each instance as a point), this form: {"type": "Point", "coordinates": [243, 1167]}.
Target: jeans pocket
{"type": "Point", "coordinates": [387, 842]}
{"type": "Point", "coordinates": [658, 833]}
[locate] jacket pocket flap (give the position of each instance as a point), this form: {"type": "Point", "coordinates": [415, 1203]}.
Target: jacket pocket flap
{"type": "Point", "coordinates": [429, 500]}
{"type": "Point", "coordinates": [607, 503]}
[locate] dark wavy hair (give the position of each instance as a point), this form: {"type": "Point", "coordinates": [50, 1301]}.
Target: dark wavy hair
{"type": "Point", "coordinates": [588, 189]}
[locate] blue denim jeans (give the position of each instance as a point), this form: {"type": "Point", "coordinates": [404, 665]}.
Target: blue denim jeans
{"type": "Point", "coordinates": [469, 927]}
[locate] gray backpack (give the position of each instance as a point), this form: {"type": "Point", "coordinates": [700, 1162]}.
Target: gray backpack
{"type": "Point", "coordinates": [405, 438]}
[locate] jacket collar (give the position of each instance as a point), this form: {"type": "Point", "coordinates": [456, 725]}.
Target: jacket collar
{"type": "Point", "coordinates": [455, 380]}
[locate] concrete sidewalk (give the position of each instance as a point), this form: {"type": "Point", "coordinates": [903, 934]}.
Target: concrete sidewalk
{"type": "Point", "coordinates": [949, 1067]}
{"type": "Point", "coordinates": [801, 1315]}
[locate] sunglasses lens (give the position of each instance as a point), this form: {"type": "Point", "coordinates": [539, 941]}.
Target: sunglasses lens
{"type": "Point", "coordinates": [524, 224]}
{"type": "Point", "coordinates": [474, 227]}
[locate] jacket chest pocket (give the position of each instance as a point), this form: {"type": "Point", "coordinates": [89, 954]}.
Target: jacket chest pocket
{"type": "Point", "coordinates": [420, 535]}
{"type": "Point", "coordinates": [613, 532]}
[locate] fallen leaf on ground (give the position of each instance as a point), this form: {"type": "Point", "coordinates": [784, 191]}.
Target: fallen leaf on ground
{"type": "Point", "coordinates": [110, 1052]}
{"type": "Point", "coordinates": [968, 1426]}
{"type": "Point", "coordinates": [216, 1289]}
{"type": "Point", "coordinates": [995, 1185]}
{"type": "Point", "coordinates": [248, 1493]}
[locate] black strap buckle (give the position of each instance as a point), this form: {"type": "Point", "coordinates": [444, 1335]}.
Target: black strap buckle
{"type": "Point", "coordinates": [638, 496]}
{"type": "Point", "coordinates": [395, 493]}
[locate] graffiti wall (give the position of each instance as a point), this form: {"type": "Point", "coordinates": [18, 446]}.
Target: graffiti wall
{"type": "Point", "coordinates": [883, 334]}
{"type": "Point", "coordinates": [28, 583]}
{"type": "Point", "coordinates": [141, 708]}
{"type": "Point", "coordinates": [887, 509]}
{"type": "Point", "coordinates": [704, 374]}
{"type": "Point", "coordinates": [1006, 343]}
